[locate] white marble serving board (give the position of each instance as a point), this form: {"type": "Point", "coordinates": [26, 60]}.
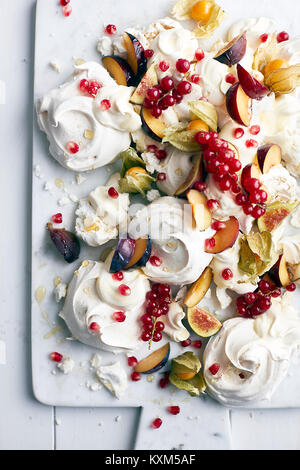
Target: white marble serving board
{"type": "Point", "coordinates": [62, 41]}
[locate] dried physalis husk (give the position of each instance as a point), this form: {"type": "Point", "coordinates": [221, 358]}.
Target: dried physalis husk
{"type": "Point", "coordinates": [285, 80]}
{"type": "Point", "coordinates": [265, 53]}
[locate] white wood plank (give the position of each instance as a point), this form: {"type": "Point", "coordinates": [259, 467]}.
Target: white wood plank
{"type": "Point", "coordinates": [96, 428]}
{"type": "Point", "coordinates": [24, 423]}
{"type": "Point", "coordinates": [266, 429]}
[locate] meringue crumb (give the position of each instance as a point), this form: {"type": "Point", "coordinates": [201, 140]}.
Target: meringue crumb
{"type": "Point", "coordinates": [63, 201]}
{"type": "Point", "coordinates": [88, 134]}
{"type": "Point", "coordinates": [150, 378]}
{"type": "Point", "coordinates": [57, 422]}
{"type": "Point", "coordinates": [80, 179]}
{"type": "Point", "coordinates": [118, 419]}
{"type": "Point", "coordinates": [55, 66]}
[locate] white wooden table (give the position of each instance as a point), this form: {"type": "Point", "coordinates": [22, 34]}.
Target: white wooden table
{"type": "Point", "coordinates": [24, 423]}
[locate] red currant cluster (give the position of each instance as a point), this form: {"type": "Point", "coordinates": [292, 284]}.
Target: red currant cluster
{"type": "Point", "coordinates": [163, 96]}
{"type": "Point", "coordinates": [254, 195]}
{"type": "Point", "coordinates": [90, 87]}
{"type": "Point", "coordinates": [254, 304]}
{"type": "Point", "coordinates": [158, 304]}
{"type": "Point", "coordinates": [220, 160]}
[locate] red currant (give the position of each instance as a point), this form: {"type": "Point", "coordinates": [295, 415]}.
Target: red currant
{"type": "Point", "coordinates": [183, 65]}
{"type": "Point", "coordinates": [227, 274]}
{"type": "Point", "coordinates": [184, 88]}
{"type": "Point", "coordinates": [132, 361]}
{"type": "Point", "coordinates": [167, 83]}
{"type": "Point", "coordinates": [135, 376]}
{"type": "Point", "coordinates": [199, 186]}
{"type": "Point", "coordinates": [156, 111]}
{"type": "Point", "coordinates": [291, 287]}
{"type": "Point", "coordinates": [283, 36]}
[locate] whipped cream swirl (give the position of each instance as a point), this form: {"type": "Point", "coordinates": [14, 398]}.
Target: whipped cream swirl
{"type": "Point", "coordinates": [93, 297]}
{"type": "Point", "coordinates": [175, 240]}
{"type": "Point", "coordinates": [67, 115]}
{"type": "Point", "coordinates": [253, 355]}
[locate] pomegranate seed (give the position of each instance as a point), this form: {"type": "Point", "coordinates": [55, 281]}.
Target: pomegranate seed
{"type": "Point", "coordinates": [174, 410]}
{"type": "Point", "coordinates": [152, 148]}
{"type": "Point", "coordinates": [161, 176]}
{"type": "Point", "coordinates": [156, 111]}
{"type": "Point", "coordinates": [164, 66]}
{"type": "Point", "coordinates": [254, 130]}
{"type": "Point", "coordinates": [210, 243]}
{"type": "Point", "coordinates": [105, 105]}
{"type": "Point", "coordinates": [183, 65]}
{"type": "Point", "coordinates": [84, 85]}
{"type": "Point", "coordinates": [186, 343]}
{"type": "Point", "coordinates": [161, 154]}
{"type": "Point", "coordinates": [214, 369]}
{"type": "Point", "coordinates": [291, 287]}
{"type": "Point", "coordinates": [241, 376]}
{"type": "Point", "coordinates": [227, 274]}
{"type": "Point", "coordinates": [199, 54]}
{"type": "Point", "coordinates": [124, 290]}
{"type": "Point", "coordinates": [283, 36]}
{"type": "Point", "coordinates": [230, 78]}
{"type": "Point", "coordinates": [132, 361]}
{"type": "Point", "coordinates": [67, 10]}
{"type": "Point", "coordinates": [217, 225]}
{"type": "Point", "coordinates": [164, 382]}
{"type": "Point", "coordinates": [156, 423]}
{"type": "Point", "coordinates": [94, 326]}
{"type": "Point", "coordinates": [195, 78]}
{"type": "Point", "coordinates": [201, 187]}
{"type": "Point", "coordinates": [276, 293]}
{"type": "Point", "coordinates": [56, 357]}
{"type": "Point", "coordinates": [149, 53]}
{"type": "Point", "coordinates": [119, 317]}
{"type": "Point", "coordinates": [155, 261]}
{"type": "Point", "coordinates": [57, 218]}
{"type": "Point", "coordinates": [72, 147]}
{"type": "Point", "coordinates": [251, 143]}
{"type": "Point", "coordinates": [113, 193]}
{"type": "Point", "coordinates": [111, 29]}
{"type": "Point", "coordinates": [135, 376]}
{"type": "Point", "coordinates": [263, 37]}
{"type": "Point", "coordinates": [118, 276]}
{"type": "Point", "coordinates": [238, 133]}
{"type": "Point", "coordinates": [93, 88]}
{"type": "Point", "coordinates": [213, 204]}
{"type": "Point", "coordinates": [197, 344]}
{"type": "Point", "coordinates": [64, 2]}
{"type": "Point", "coordinates": [184, 87]}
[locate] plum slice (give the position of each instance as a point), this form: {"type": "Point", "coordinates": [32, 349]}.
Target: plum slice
{"type": "Point", "coordinates": [279, 273]}
{"type": "Point", "coordinates": [119, 69]}
{"type": "Point", "coordinates": [155, 361]}
{"type": "Point", "coordinates": [123, 254]}
{"type": "Point", "coordinates": [201, 213]}
{"type": "Point", "coordinates": [233, 52]}
{"type": "Point", "coordinates": [141, 254]}
{"type": "Point", "coordinates": [66, 243]}
{"type": "Point", "coordinates": [198, 290]}
{"type": "Point", "coordinates": [153, 127]}
{"type": "Point", "coordinates": [196, 174]}
{"type": "Point", "coordinates": [136, 56]}
{"type": "Point", "coordinates": [239, 105]}
{"type": "Point", "coordinates": [252, 87]}
{"type": "Point", "coordinates": [226, 237]}
{"type": "Point", "coordinates": [267, 156]}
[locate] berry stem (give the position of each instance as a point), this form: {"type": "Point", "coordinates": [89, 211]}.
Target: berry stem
{"type": "Point", "coordinates": [152, 334]}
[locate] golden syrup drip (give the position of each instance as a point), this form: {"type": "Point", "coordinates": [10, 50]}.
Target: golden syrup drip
{"type": "Point", "coordinates": [40, 294]}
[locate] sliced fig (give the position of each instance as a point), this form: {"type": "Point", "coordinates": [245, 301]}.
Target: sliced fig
{"type": "Point", "coordinates": [66, 243]}
{"type": "Point", "coordinates": [136, 56]}
{"type": "Point", "coordinates": [149, 80]}
{"type": "Point", "coordinates": [274, 216]}
{"type": "Point", "coordinates": [239, 105]}
{"type": "Point", "coordinates": [252, 87]}
{"type": "Point", "coordinates": [123, 254]}
{"type": "Point", "coordinates": [141, 254]}
{"type": "Point", "coordinates": [198, 290]}
{"type": "Point", "coordinates": [119, 69]}
{"type": "Point", "coordinates": [196, 174]}
{"type": "Point", "coordinates": [153, 127]}
{"type": "Point", "coordinates": [202, 322]}
{"type": "Point", "coordinates": [155, 361]}
{"type": "Point", "coordinates": [233, 52]}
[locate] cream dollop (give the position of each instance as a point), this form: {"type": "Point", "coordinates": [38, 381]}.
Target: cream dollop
{"type": "Point", "coordinates": [174, 327]}
{"type": "Point", "coordinates": [176, 166]}
{"type": "Point", "coordinates": [175, 240]}
{"type": "Point", "coordinates": [280, 185]}
{"type": "Point", "coordinates": [229, 258]}
{"type": "Point", "coordinates": [93, 297]}
{"type": "Point", "coordinates": [67, 115]}
{"type": "Point", "coordinates": [228, 206]}
{"type": "Point", "coordinates": [121, 115]}
{"type": "Point", "coordinates": [290, 247]}
{"type": "Point", "coordinates": [253, 355]}
{"type": "Point", "coordinates": [100, 216]}
{"type": "Point", "coordinates": [213, 74]}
